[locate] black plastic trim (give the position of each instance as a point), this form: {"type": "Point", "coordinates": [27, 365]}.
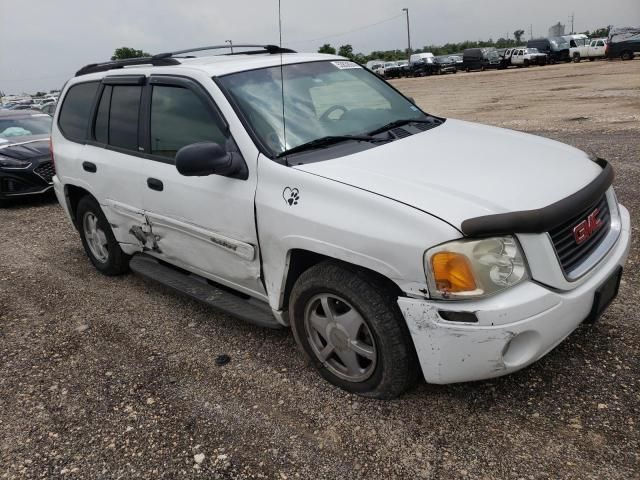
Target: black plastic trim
{"type": "Point", "coordinates": [542, 219]}
{"type": "Point", "coordinates": [124, 80]}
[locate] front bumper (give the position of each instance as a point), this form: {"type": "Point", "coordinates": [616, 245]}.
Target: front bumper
{"type": "Point", "coordinates": [20, 182]}
{"type": "Point", "coordinates": [514, 328]}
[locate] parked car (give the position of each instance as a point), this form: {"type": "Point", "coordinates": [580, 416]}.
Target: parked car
{"type": "Point", "coordinates": [556, 48]}
{"type": "Point", "coordinates": [423, 67]}
{"type": "Point", "coordinates": [387, 66]}
{"type": "Point", "coordinates": [480, 59]}
{"type": "Point", "coordinates": [581, 48]}
{"type": "Point", "coordinates": [445, 64]}
{"type": "Point", "coordinates": [524, 57]}
{"type": "Point", "coordinates": [373, 64]}
{"type": "Point", "coordinates": [396, 70]}
{"type": "Point", "coordinates": [467, 263]}
{"type": "Point", "coordinates": [25, 159]}
{"type": "Point", "coordinates": [48, 108]}
{"type": "Point", "coordinates": [421, 57]}
{"type": "Point", "coordinates": [623, 42]}
{"type": "Point", "coordinates": [458, 60]}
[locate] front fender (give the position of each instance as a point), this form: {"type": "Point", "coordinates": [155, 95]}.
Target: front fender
{"type": "Point", "coordinates": [342, 222]}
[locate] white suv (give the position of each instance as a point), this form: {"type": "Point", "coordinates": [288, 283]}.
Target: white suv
{"type": "Point", "coordinates": [334, 205]}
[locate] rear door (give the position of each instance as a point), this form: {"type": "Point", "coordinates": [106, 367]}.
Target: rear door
{"type": "Point", "coordinates": [203, 224]}
{"type": "Point", "coordinates": [112, 156]}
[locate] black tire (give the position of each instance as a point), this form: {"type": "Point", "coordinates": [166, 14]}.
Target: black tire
{"type": "Point", "coordinates": [117, 261]}
{"type": "Point", "coordinates": [396, 366]}
{"type": "Point", "coordinates": [526, 63]}
{"type": "Point", "coordinates": [576, 58]}
{"type": "Point", "coordinates": [592, 59]}
{"type": "Point", "coordinates": [627, 55]}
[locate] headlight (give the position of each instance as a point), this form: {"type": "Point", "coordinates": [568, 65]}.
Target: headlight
{"type": "Point", "coordinates": [474, 268]}
{"type": "Point", "coordinates": [7, 162]}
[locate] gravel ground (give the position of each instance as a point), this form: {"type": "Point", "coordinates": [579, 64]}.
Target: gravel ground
{"type": "Point", "coordinates": [116, 378]}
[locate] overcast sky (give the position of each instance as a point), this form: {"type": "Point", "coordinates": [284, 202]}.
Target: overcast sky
{"type": "Point", "coordinates": [43, 42]}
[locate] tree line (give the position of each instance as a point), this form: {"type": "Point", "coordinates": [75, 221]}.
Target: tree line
{"type": "Point", "coordinates": [446, 49]}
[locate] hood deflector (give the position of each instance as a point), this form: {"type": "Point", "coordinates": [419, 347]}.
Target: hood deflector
{"type": "Point", "coordinates": [542, 219]}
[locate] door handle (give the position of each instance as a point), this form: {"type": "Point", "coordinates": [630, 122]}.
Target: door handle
{"type": "Point", "coordinates": [155, 184]}
{"type": "Point", "coordinates": [89, 167]}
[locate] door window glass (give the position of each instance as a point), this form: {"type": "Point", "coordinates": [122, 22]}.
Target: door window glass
{"type": "Point", "coordinates": [179, 118]}
{"type": "Point", "coordinates": [123, 118]}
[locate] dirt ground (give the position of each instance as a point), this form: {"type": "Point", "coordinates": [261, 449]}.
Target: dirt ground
{"type": "Point", "coordinates": [116, 378]}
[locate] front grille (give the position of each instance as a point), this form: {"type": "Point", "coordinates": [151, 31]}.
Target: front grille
{"type": "Point", "coordinates": [46, 171]}
{"type": "Point", "coordinates": [570, 253]}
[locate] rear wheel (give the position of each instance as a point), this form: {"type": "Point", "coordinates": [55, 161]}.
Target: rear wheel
{"type": "Point", "coordinates": [98, 240]}
{"type": "Point", "coordinates": [627, 55]}
{"type": "Point", "coordinates": [349, 325]}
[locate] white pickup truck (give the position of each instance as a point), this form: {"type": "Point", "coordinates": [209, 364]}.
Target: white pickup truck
{"type": "Point", "coordinates": [583, 47]}
{"type": "Point", "coordinates": [524, 57]}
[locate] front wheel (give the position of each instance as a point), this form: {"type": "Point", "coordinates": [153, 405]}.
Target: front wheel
{"type": "Point", "coordinates": [349, 325]}
{"type": "Point", "coordinates": [576, 58]}
{"type": "Point", "coordinates": [98, 240]}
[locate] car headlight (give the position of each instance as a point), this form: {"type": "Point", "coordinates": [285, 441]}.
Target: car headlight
{"type": "Point", "coordinates": [465, 269]}
{"type": "Point", "coordinates": [8, 162]}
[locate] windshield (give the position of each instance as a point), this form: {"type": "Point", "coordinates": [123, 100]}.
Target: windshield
{"type": "Point", "coordinates": [559, 43]}
{"type": "Point", "coordinates": [39, 124]}
{"type": "Point", "coordinates": [327, 98]}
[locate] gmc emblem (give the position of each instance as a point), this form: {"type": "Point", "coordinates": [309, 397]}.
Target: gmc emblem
{"type": "Point", "coordinates": [583, 231]}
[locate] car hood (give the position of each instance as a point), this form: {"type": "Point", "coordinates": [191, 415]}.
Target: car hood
{"type": "Point", "coordinates": [26, 147]}
{"type": "Point", "coordinates": [462, 170]}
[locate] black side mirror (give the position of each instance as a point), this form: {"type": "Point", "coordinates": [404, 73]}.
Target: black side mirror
{"type": "Point", "coordinates": [411, 99]}
{"type": "Point", "coordinates": [210, 158]}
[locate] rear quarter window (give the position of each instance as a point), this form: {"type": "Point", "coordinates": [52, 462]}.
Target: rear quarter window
{"type": "Point", "coordinates": [76, 108]}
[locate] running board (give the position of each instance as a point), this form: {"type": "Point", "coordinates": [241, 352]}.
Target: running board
{"type": "Point", "coordinates": [196, 287]}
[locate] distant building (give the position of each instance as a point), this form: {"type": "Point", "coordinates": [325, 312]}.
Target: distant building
{"type": "Point", "coordinates": [556, 30]}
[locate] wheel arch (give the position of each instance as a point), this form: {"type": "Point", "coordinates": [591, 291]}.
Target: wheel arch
{"type": "Point", "coordinates": [73, 194]}
{"type": "Point", "coordinates": [300, 260]}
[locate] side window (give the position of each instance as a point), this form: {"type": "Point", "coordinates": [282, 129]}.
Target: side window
{"type": "Point", "coordinates": [76, 108]}
{"type": "Point", "coordinates": [600, 43]}
{"type": "Point", "coordinates": [179, 118]}
{"type": "Point", "coordinates": [123, 117]}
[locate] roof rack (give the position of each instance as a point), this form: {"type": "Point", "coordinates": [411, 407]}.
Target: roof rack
{"type": "Point", "coordinates": [103, 67]}
{"type": "Point", "coordinates": [163, 59]}
{"type": "Point", "coordinates": [272, 49]}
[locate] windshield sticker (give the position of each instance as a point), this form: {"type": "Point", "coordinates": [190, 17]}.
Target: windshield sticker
{"type": "Point", "coordinates": [344, 65]}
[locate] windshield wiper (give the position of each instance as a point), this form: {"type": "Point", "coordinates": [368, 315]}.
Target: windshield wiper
{"type": "Point", "coordinates": [328, 140]}
{"type": "Point", "coordinates": [399, 123]}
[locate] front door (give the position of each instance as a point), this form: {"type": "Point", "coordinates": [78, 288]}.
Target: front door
{"type": "Point", "coordinates": [203, 224]}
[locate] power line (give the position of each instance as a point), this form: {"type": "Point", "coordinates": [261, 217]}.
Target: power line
{"type": "Point", "coordinates": [350, 31]}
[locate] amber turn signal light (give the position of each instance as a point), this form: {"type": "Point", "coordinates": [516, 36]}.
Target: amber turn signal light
{"type": "Point", "coordinates": [452, 272]}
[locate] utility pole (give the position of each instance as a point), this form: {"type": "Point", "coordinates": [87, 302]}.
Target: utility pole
{"type": "Point", "coordinates": [572, 17]}
{"type": "Point", "coordinates": [531, 31]}
{"type": "Point", "coordinates": [408, 32]}
{"type": "Point", "coordinates": [230, 45]}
